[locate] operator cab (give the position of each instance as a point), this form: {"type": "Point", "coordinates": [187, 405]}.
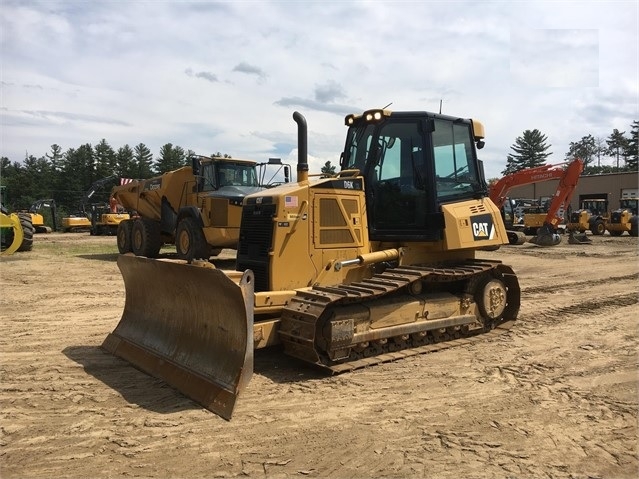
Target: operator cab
{"type": "Point", "coordinates": [412, 163]}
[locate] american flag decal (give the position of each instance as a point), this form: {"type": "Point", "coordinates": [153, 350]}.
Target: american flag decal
{"type": "Point", "coordinates": [290, 201]}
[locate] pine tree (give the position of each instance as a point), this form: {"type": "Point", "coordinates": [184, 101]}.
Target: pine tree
{"type": "Point", "coordinates": [632, 156]}
{"type": "Point", "coordinates": [530, 151]}
{"type": "Point", "coordinates": [105, 161]}
{"type": "Point", "coordinates": [144, 162]}
{"type": "Point", "coordinates": [171, 158]}
{"type": "Point", "coordinates": [126, 166]}
{"type": "Point", "coordinates": [328, 169]}
{"type": "Point", "coordinates": [584, 149]}
{"type": "Point", "coordinates": [617, 144]}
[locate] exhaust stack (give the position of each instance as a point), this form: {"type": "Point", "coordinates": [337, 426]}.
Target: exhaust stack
{"type": "Point", "coordinates": [302, 147]}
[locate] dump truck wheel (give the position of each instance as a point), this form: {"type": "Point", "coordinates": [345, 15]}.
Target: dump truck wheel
{"type": "Point", "coordinates": [145, 238]}
{"type": "Point", "coordinates": [124, 237]}
{"type": "Point", "coordinates": [27, 230]}
{"type": "Point", "coordinates": [190, 242]}
{"type": "Point", "coordinates": [598, 227]}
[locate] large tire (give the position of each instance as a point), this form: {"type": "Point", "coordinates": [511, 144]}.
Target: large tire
{"type": "Point", "coordinates": [145, 238]}
{"type": "Point", "coordinates": [124, 236]}
{"type": "Point", "coordinates": [634, 226]}
{"type": "Point", "coordinates": [598, 227]}
{"type": "Point", "coordinates": [190, 242]}
{"type": "Point", "coordinates": [27, 230]}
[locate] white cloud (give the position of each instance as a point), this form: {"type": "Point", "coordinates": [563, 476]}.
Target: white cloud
{"type": "Point", "coordinates": [226, 77]}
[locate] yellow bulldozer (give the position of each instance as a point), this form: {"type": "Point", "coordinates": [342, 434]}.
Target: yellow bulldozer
{"type": "Point", "coordinates": [376, 263]}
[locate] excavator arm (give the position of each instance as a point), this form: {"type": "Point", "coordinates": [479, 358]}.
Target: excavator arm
{"type": "Point", "coordinates": [565, 189]}
{"type": "Point", "coordinates": [568, 179]}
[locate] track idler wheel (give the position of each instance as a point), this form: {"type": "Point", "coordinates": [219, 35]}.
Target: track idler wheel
{"type": "Point", "coordinates": [491, 297]}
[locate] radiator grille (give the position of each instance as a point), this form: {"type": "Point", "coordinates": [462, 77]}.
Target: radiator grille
{"type": "Point", "coordinates": [256, 240]}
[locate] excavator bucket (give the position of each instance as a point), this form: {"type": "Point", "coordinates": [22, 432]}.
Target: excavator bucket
{"type": "Point", "coordinates": [546, 236]}
{"type": "Point", "coordinates": [190, 325]}
{"type": "Point", "coordinates": [575, 237]}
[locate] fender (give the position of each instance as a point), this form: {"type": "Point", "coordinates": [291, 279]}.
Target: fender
{"type": "Point", "coordinates": [191, 211]}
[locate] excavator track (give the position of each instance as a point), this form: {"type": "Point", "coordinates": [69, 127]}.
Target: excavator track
{"type": "Point", "coordinates": [309, 309]}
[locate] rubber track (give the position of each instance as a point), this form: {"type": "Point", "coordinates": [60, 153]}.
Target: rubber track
{"type": "Point", "coordinates": [308, 306]}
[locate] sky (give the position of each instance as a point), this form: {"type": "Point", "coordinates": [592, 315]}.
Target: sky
{"type": "Point", "coordinates": [227, 76]}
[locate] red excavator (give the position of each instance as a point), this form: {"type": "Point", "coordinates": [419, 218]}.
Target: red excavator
{"type": "Point", "coordinates": [568, 179]}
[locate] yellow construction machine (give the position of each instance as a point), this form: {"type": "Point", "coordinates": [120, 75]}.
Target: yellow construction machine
{"type": "Point", "coordinates": [198, 208]}
{"type": "Point", "coordinates": [624, 218]}
{"type": "Point", "coordinates": [37, 218]}
{"type": "Point", "coordinates": [376, 263]}
{"type": "Point", "coordinates": [16, 232]}
{"type": "Point", "coordinates": [16, 229]}
{"type": "Point", "coordinates": [592, 215]}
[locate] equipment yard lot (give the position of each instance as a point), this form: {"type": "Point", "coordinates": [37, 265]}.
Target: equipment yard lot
{"type": "Point", "coordinates": [556, 396]}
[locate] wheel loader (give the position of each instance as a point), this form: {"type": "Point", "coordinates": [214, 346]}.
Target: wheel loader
{"type": "Point", "coordinates": [592, 215]}
{"type": "Point", "coordinates": [624, 218]}
{"type": "Point", "coordinates": [198, 208]}
{"type": "Point", "coordinates": [376, 263]}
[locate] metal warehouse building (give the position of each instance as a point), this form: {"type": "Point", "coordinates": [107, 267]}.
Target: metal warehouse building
{"type": "Point", "coordinates": [611, 186]}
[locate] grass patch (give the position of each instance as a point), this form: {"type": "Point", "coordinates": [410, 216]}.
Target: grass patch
{"type": "Point", "coordinates": [85, 248]}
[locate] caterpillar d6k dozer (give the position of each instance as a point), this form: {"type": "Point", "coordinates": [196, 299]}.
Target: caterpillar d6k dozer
{"type": "Point", "coordinates": [371, 265]}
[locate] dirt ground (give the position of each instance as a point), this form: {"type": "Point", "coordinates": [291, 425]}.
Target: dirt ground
{"type": "Point", "coordinates": [556, 396]}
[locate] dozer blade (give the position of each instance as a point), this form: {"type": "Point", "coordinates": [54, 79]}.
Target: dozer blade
{"type": "Point", "coordinates": [190, 325]}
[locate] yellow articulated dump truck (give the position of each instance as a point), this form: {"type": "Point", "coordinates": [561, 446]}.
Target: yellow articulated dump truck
{"type": "Point", "coordinates": [378, 262]}
{"type": "Point", "coordinates": [198, 208]}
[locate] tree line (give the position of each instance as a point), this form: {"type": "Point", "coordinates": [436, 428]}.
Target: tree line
{"type": "Point", "coordinates": [66, 176]}
{"type": "Point", "coordinates": [531, 150]}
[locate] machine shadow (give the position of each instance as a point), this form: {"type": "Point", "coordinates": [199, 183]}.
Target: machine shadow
{"type": "Point", "coordinates": [100, 256]}
{"type": "Point", "coordinates": [152, 394]}
{"type": "Point", "coordinates": [280, 368]}
{"type": "Point", "coordinates": [135, 386]}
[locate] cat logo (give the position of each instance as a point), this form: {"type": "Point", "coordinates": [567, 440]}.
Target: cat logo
{"type": "Point", "coordinates": [483, 227]}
